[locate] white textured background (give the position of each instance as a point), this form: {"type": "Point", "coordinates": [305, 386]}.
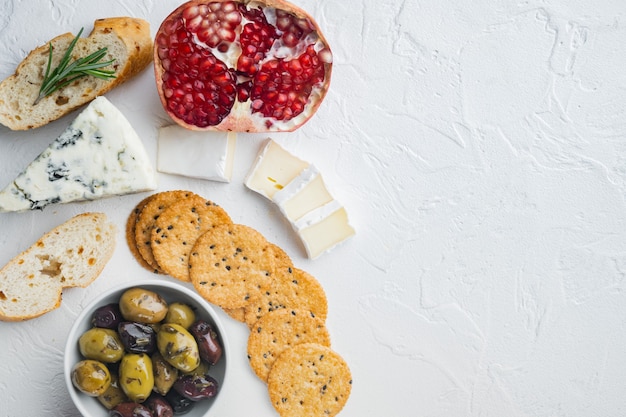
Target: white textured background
{"type": "Point", "coordinates": [480, 149]}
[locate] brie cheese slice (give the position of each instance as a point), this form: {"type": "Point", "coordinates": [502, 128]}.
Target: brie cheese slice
{"type": "Point", "coordinates": [273, 169]}
{"type": "Point", "coordinates": [98, 155]}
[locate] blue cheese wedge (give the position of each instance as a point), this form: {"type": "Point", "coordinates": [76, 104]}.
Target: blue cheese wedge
{"type": "Point", "coordinates": [299, 191]}
{"type": "Point", "coordinates": [195, 154]}
{"type": "Point", "coordinates": [99, 155]}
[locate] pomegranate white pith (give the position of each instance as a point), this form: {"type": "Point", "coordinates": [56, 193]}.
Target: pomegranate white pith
{"type": "Point", "coordinates": [246, 66]}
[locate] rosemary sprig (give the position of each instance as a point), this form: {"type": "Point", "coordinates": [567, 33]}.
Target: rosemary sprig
{"type": "Point", "coordinates": [66, 72]}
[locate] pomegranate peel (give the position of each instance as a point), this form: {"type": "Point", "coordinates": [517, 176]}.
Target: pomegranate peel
{"type": "Point", "coordinates": [241, 65]}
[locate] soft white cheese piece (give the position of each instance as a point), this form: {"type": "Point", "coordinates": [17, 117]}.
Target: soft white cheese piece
{"type": "Point", "coordinates": [299, 191]}
{"type": "Point", "coordinates": [98, 155]}
{"type": "Point", "coordinates": [326, 233]}
{"type": "Point", "coordinates": [273, 169]}
{"type": "Point", "coordinates": [204, 155]}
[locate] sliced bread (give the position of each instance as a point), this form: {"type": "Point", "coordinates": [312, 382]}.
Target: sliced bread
{"type": "Point", "coordinates": [71, 255]}
{"type": "Point", "coordinates": [129, 44]}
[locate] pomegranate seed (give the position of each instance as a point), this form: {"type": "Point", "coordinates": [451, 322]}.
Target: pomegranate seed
{"type": "Point", "coordinates": [215, 6]}
{"type": "Point", "coordinates": [290, 39]}
{"type": "Point", "coordinates": [243, 91]}
{"type": "Point", "coordinates": [233, 18]}
{"type": "Point", "coordinates": [257, 104]}
{"type": "Point", "coordinates": [283, 20]}
{"type": "Point", "coordinates": [190, 12]}
{"type": "Point", "coordinates": [325, 56]}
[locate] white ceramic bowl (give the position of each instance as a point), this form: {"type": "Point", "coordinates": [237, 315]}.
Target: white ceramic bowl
{"type": "Point", "coordinates": [171, 292]}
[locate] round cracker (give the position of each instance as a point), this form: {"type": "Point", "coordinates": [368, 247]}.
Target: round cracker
{"type": "Point", "coordinates": [229, 264]}
{"type": "Point", "coordinates": [279, 330]}
{"type": "Point", "coordinates": [146, 219]}
{"type": "Point", "coordinates": [237, 314]}
{"type": "Point", "coordinates": [291, 288]}
{"type": "Point", "coordinates": [178, 227]}
{"type": "Point", "coordinates": [281, 259]}
{"type": "Point", "coordinates": [131, 222]}
{"type": "Point", "coordinates": [309, 380]}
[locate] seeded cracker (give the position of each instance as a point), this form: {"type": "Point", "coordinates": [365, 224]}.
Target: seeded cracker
{"type": "Point", "coordinates": [279, 330]}
{"type": "Point", "coordinates": [177, 229]}
{"type": "Point", "coordinates": [291, 288]}
{"type": "Point", "coordinates": [280, 259]}
{"type": "Point", "coordinates": [309, 380]}
{"type": "Point", "coordinates": [131, 222]}
{"type": "Point", "coordinates": [229, 264]}
{"type": "Point", "coordinates": [236, 314]}
{"type": "Point", "coordinates": [147, 218]}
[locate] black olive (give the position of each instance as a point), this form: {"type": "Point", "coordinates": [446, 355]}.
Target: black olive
{"type": "Point", "coordinates": [196, 387]}
{"type": "Point", "coordinates": [137, 337]}
{"type": "Point", "coordinates": [130, 409]}
{"type": "Point", "coordinates": [180, 404]}
{"type": "Point", "coordinates": [208, 342]}
{"type": "Point", "coordinates": [159, 406]}
{"type": "Point", "coordinates": [107, 316]}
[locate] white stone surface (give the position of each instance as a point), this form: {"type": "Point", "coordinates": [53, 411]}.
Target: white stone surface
{"type": "Point", "coordinates": [480, 149]}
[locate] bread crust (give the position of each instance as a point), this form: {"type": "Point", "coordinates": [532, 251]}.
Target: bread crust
{"type": "Point", "coordinates": [135, 33]}
{"type": "Point", "coordinates": [19, 91]}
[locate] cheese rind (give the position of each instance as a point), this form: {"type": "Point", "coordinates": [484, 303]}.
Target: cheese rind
{"type": "Point", "coordinates": [194, 154]}
{"type": "Point", "coordinates": [299, 191]}
{"type": "Point", "coordinates": [99, 155]}
{"type": "Point", "coordinates": [296, 185]}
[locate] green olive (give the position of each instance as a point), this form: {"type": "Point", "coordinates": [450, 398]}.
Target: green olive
{"type": "Point", "coordinates": [178, 347]}
{"type": "Point", "coordinates": [136, 376]}
{"type": "Point", "coordinates": [180, 313]}
{"type": "Point", "coordinates": [164, 374]}
{"type": "Point", "coordinates": [103, 345]}
{"type": "Point", "coordinates": [114, 395]}
{"type": "Point", "coordinates": [201, 370]}
{"type": "Point", "coordinates": [144, 306]}
{"type": "Point", "coordinates": [91, 377]}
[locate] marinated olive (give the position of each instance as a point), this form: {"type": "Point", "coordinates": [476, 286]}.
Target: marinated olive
{"type": "Point", "coordinates": [130, 409]}
{"type": "Point", "coordinates": [178, 347]}
{"type": "Point", "coordinates": [91, 377]}
{"type": "Point", "coordinates": [202, 369]}
{"type": "Point", "coordinates": [196, 387]}
{"type": "Point", "coordinates": [180, 313]}
{"type": "Point", "coordinates": [114, 395]}
{"type": "Point", "coordinates": [145, 306]}
{"type": "Point", "coordinates": [107, 316]}
{"type": "Point", "coordinates": [136, 376]}
{"type": "Point", "coordinates": [180, 404]}
{"type": "Point", "coordinates": [159, 407]}
{"type": "Point", "coordinates": [137, 337]}
{"type": "Point", "coordinates": [164, 374]}
{"type": "Point", "coordinates": [101, 344]}
{"type": "Point", "coordinates": [208, 343]}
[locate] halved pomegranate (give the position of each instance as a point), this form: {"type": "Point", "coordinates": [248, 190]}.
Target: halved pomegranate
{"type": "Point", "coordinates": [246, 66]}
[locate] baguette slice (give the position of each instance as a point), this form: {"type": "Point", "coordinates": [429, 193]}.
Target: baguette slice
{"type": "Point", "coordinates": [71, 255]}
{"type": "Point", "coordinates": [129, 43]}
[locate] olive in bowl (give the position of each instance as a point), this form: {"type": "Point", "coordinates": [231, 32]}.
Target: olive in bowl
{"type": "Point", "coordinates": [137, 333]}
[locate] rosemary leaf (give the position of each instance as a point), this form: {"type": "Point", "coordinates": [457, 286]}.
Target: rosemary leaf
{"type": "Point", "coordinates": [66, 73]}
